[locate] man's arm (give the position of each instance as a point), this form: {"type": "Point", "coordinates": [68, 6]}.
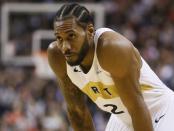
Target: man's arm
{"type": "Point", "coordinates": [78, 112]}
{"type": "Point", "coordinates": [124, 63]}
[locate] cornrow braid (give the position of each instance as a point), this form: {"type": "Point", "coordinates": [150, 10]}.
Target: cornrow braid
{"type": "Point", "coordinates": [81, 14]}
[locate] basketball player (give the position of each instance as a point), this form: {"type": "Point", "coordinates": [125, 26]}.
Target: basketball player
{"type": "Point", "coordinates": [106, 67]}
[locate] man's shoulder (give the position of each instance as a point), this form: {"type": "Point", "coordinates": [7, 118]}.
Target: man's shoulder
{"type": "Point", "coordinates": [112, 42]}
{"type": "Point", "coordinates": [114, 51]}
{"type": "Point", "coordinates": [56, 60]}
{"type": "Point", "coordinates": [52, 46]}
{"type": "Point", "coordinates": [99, 33]}
{"type": "Point", "coordinates": [103, 29]}
{"type": "Point", "coordinates": [53, 51]}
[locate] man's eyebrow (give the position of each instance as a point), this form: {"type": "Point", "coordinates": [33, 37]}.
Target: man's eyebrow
{"type": "Point", "coordinates": [65, 31]}
{"type": "Point", "coordinates": [70, 30]}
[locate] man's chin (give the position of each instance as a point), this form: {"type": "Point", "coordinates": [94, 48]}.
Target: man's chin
{"type": "Point", "coordinates": [73, 63]}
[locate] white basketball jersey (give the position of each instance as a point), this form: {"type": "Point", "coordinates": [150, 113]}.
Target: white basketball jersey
{"type": "Point", "coordinates": [99, 86]}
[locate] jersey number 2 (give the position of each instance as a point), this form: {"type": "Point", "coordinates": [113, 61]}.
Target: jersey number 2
{"type": "Point", "coordinates": [114, 109]}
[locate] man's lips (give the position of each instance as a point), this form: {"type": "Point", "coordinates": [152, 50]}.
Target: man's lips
{"type": "Point", "coordinates": [69, 55]}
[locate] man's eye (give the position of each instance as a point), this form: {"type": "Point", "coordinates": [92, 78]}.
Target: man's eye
{"type": "Point", "coordinates": [72, 36]}
{"type": "Point", "coordinates": [59, 39]}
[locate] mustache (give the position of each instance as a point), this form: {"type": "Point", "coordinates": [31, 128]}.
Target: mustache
{"type": "Point", "coordinates": [70, 53]}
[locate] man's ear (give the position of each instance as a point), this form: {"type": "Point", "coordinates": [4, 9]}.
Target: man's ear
{"type": "Point", "coordinates": [90, 29]}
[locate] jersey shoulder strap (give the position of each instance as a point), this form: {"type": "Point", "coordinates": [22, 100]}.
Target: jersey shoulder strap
{"type": "Point", "coordinates": [99, 32]}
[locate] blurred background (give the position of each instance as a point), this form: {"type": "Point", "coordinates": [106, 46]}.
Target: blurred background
{"type": "Point", "coordinates": [30, 99]}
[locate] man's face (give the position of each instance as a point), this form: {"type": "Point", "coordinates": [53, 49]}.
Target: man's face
{"type": "Point", "coordinates": [71, 40]}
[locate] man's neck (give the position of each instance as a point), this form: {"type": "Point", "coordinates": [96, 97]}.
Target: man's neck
{"type": "Point", "coordinates": [88, 60]}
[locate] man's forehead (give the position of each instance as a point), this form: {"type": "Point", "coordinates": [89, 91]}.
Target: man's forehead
{"type": "Point", "coordinates": [65, 24]}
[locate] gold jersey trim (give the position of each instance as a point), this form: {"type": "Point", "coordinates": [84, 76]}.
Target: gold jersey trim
{"type": "Point", "coordinates": [98, 89]}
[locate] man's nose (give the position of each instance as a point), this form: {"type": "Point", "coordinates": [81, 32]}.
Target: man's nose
{"type": "Point", "coordinates": [66, 47]}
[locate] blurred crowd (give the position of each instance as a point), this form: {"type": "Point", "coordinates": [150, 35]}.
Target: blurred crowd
{"type": "Point", "coordinates": [30, 103]}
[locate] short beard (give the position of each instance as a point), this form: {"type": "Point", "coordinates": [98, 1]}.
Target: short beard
{"type": "Point", "coordinates": [81, 55]}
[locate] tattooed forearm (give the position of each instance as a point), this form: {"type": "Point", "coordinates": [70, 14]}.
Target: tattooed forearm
{"type": "Point", "coordinates": [81, 119]}
{"type": "Point", "coordinates": [78, 112]}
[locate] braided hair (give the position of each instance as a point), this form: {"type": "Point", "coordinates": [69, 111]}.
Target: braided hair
{"type": "Point", "coordinates": [81, 14]}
